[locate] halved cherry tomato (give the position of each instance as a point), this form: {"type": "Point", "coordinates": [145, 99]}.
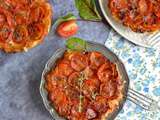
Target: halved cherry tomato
{"type": "Point", "coordinates": [79, 61]}
{"type": "Point", "coordinates": [88, 72]}
{"type": "Point", "coordinates": [21, 17]}
{"type": "Point", "coordinates": [39, 12]}
{"type": "Point", "coordinates": [4, 33]}
{"type": "Point", "coordinates": [100, 104]}
{"type": "Point", "coordinates": [90, 87]}
{"type": "Point", "coordinates": [36, 31]}
{"type": "Point", "coordinates": [145, 6]}
{"type": "Point", "coordinates": [20, 34]}
{"type": "Point", "coordinates": [108, 89]}
{"type": "Point", "coordinates": [73, 80]}
{"type": "Point", "coordinates": [105, 72]}
{"type": "Point", "coordinates": [91, 114]}
{"type": "Point", "coordinates": [2, 19]}
{"type": "Point", "coordinates": [64, 68]}
{"type": "Point", "coordinates": [96, 59]}
{"type": "Point", "coordinates": [67, 29]}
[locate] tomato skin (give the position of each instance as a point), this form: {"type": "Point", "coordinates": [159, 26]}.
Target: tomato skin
{"type": "Point", "coordinates": [67, 29]}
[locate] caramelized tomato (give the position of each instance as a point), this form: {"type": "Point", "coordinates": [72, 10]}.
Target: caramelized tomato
{"type": "Point", "coordinates": [4, 33]}
{"type": "Point", "coordinates": [105, 72]}
{"type": "Point", "coordinates": [108, 89]}
{"type": "Point", "coordinates": [36, 31]}
{"type": "Point", "coordinates": [20, 34]}
{"type": "Point", "coordinates": [73, 79]}
{"type": "Point", "coordinates": [96, 59]}
{"type": "Point", "coordinates": [79, 61]}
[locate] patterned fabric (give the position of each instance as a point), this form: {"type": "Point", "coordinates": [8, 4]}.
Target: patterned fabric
{"type": "Point", "coordinates": [143, 68]}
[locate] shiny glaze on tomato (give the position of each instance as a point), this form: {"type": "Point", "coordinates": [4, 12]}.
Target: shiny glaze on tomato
{"type": "Point", "coordinates": [23, 23]}
{"type": "Point", "coordinates": [139, 15]}
{"type": "Point", "coordinates": [82, 84]}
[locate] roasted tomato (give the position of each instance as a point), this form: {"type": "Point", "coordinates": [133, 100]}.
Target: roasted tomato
{"type": "Point", "coordinates": [36, 31]}
{"type": "Point", "coordinates": [4, 33]}
{"type": "Point", "coordinates": [90, 87]}
{"type": "Point", "coordinates": [67, 29]}
{"type": "Point", "coordinates": [20, 34]}
{"type": "Point", "coordinates": [88, 72]}
{"type": "Point", "coordinates": [2, 19]}
{"type": "Point", "coordinates": [91, 114]}
{"type": "Point", "coordinates": [105, 72]}
{"type": "Point", "coordinates": [79, 61]}
{"type": "Point", "coordinates": [101, 104]}
{"type": "Point", "coordinates": [108, 89]}
{"type": "Point", "coordinates": [96, 59]}
{"type": "Point", "coordinates": [21, 16]}
{"type": "Point", "coordinates": [38, 12]}
{"type": "Point", "coordinates": [65, 68]}
{"type": "Point", "coordinates": [73, 80]}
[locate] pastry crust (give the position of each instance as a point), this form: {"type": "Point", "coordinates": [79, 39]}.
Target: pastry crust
{"type": "Point", "coordinates": [28, 22]}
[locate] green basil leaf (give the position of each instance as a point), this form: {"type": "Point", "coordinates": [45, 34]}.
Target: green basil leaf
{"type": "Point", "coordinates": [75, 43]}
{"type": "Point", "coordinates": [87, 9]}
{"type": "Point", "coordinates": [68, 17]}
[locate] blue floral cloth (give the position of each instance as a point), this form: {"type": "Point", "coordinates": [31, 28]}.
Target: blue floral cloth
{"type": "Point", "coordinates": [143, 67]}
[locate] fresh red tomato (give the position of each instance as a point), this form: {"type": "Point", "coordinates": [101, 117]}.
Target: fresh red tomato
{"type": "Point", "coordinates": [67, 29]}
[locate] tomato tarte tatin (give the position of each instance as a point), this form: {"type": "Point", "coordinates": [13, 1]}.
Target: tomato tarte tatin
{"type": "Point", "coordinates": [139, 15]}
{"type": "Point", "coordinates": [84, 86]}
{"type": "Point", "coordinates": [23, 24]}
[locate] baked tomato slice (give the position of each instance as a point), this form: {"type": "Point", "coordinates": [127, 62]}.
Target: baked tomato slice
{"type": "Point", "coordinates": [91, 87]}
{"type": "Point", "coordinates": [67, 29]}
{"type": "Point", "coordinates": [39, 12]}
{"type": "Point", "coordinates": [20, 34]}
{"type": "Point", "coordinates": [64, 68]}
{"type": "Point", "coordinates": [79, 61]}
{"type": "Point", "coordinates": [4, 33]}
{"type": "Point", "coordinates": [36, 31]}
{"type": "Point", "coordinates": [73, 80]}
{"type": "Point", "coordinates": [100, 104]}
{"type": "Point", "coordinates": [105, 72]}
{"type": "Point", "coordinates": [145, 6]}
{"type": "Point", "coordinates": [2, 19]}
{"type": "Point", "coordinates": [108, 89]}
{"type": "Point", "coordinates": [96, 59]}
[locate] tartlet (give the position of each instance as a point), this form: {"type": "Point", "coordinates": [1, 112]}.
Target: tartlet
{"type": "Point", "coordinates": [84, 86]}
{"type": "Point", "coordinates": [140, 15]}
{"type": "Point", "coordinates": [23, 24]}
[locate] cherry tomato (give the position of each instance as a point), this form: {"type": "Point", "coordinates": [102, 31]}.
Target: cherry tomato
{"type": "Point", "coordinates": [105, 72]}
{"type": "Point", "coordinates": [67, 29]}
{"type": "Point", "coordinates": [39, 12]}
{"type": "Point", "coordinates": [2, 19]}
{"type": "Point", "coordinates": [108, 89]}
{"type": "Point", "coordinates": [4, 33]}
{"type": "Point", "coordinates": [100, 104]}
{"type": "Point", "coordinates": [36, 31]}
{"type": "Point", "coordinates": [73, 80]}
{"type": "Point", "coordinates": [20, 34]}
{"type": "Point", "coordinates": [64, 68]}
{"type": "Point", "coordinates": [90, 87]}
{"type": "Point", "coordinates": [79, 61]}
{"type": "Point", "coordinates": [96, 59]}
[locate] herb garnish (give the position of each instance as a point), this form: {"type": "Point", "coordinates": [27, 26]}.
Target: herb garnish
{"type": "Point", "coordinates": [87, 10]}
